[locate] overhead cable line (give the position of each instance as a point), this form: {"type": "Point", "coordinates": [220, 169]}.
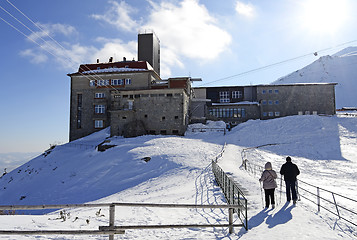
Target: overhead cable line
{"type": "Point", "coordinates": [275, 64]}
{"type": "Point", "coordinates": [89, 76]}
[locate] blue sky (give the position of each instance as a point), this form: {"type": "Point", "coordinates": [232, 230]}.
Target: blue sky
{"type": "Point", "coordinates": [210, 39]}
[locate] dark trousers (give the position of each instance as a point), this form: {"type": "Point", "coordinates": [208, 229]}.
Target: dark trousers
{"type": "Point", "coordinates": [290, 190]}
{"type": "Point", "coordinates": [269, 196]}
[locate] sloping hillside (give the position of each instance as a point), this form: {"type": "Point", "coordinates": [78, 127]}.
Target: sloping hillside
{"type": "Point", "coordinates": [324, 148]}
{"type": "Point", "coordinates": [339, 68]}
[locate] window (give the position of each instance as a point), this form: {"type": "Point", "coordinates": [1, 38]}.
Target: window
{"type": "Point", "coordinates": [163, 118]}
{"type": "Point", "coordinates": [277, 114]}
{"type": "Point", "coordinates": [127, 81]}
{"type": "Point", "coordinates": [116, 82]}
{"type": "Point", "coordinates": [99, 95]}
{"type": "Point", "coordinates": [314, 112]}
{"type": "Point", "coordinates": [103, 82]}
{"type": "Point", "coordinates": [276, 91]}
{"type": "Point", "coordinates": [176, 117]}
{"type": "Point", "coordinates": [163, 132]}
{"type": "Point", "coordinates": [98, 123]}
{"type": "Point", "coordinates": [79, 100]}
{"type": "Point", "coordinates": [265, 114]}
{"type": "Point", "coordinates": [270, 102]}
{"type": "Point", "coordinates": [307, 112]}
{"type": "Point", "coordinates": [276, 102]}
{"type": "Point", "coordinates": [264, 91]}
{"type": "Point", "coordinates": [169, 95]}
{"type": "Point", "coordinates": [270, 91]}
{"type": "Point", "coordinates": [264, 102]}
{"type": "Point", "coordinates": [130, 105]}
{"type": "Point", "coordinates": [99, 109]}
{"type": "Point", "coordinates": [270, 114]}
{"type": "Point", "coordinates": [237, 94]}
{"type": "Point", "coordinates": [175, 132]}
{"type": "Point", "coordinates": [224, 97]}
{"type": "Point", "coordinates": [92, 83]}
{"type": "Point", "coordinates": [300, 113]}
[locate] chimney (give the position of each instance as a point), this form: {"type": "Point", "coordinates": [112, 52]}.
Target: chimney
{"type": "Point", "coordinates": [124, 59]}
{"type": "Point", "coordinates": [111, 59]}
{"type": "Point", "coordinates": [97, 60]}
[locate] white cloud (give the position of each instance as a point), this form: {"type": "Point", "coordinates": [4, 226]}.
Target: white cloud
{"type": "Point", "coordinates": [35, 56]}
{"type": "Point", "coordinates": [118, 15]}
{"type": "Point", "coordinates": [52, 30]}
{"type": "Point", "coordinates": [187, 30]}
{"type": "Point", "coordinates": [117, 49]}
{"type": "Point", "coordinates": [245, 9]}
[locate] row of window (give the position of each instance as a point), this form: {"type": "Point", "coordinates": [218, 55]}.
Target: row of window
{"type": "Point", "coordinates": [264, 91]}
{"type": "Point", "coordinates": [307, 113]}
{"type": "Point", "coordinates": [132, 96]}
{"type": "Point", "coordinates": [271, 114]}
{"type": "Point", "coordinates": [227, 112]}
{"type": "Point", "coordinates": [107, 82]}
{"type": "Point", "coordinates": [224, 96]}
{"type": "Point", "coordinates": [270, 102]}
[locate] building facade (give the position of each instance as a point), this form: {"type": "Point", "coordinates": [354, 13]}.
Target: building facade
{"type": "Point", "coordinates": [130, 98]}
{"type": "Point", "coordinates": [236, 104]}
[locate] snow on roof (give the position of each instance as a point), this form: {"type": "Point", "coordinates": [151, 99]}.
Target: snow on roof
{"type": "Point", "coordinates": [115, 70]}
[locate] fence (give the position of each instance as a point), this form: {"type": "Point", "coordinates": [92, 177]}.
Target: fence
{"type": "Point", "coordinates": [111, 230]}
{"type": "Point", "coordinates": [209, 130]}
{"type": "Point", "coordinates": [316, 195]}
{"type": "Point", "coordinates": [232, 193]}
{"type": "Point", "coordinates": [331, 205]}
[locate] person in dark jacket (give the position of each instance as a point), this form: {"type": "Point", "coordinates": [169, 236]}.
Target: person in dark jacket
{"type": "Point", "coordinates": [290, 171]}
{"type": "Point", "coordinates": [269, 184]}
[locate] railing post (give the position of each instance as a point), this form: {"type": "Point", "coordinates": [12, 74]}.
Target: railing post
{"type": "Point", "coordinates": [318, 199]}
{"type": "Point", "coordinates": [111, 219]}
{"type": "Point", "coordinates": [230, 219]}
{"type": "Point", "coordinates": [246, 214]}
{"type": "Point", "coordinates": [338, 212]}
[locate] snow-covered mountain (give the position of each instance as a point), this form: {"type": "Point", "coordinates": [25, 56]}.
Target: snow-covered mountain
{"type": "Point", "coordinates": [179, 171]}
{"type": "Point", "coordinates": [339, 68]}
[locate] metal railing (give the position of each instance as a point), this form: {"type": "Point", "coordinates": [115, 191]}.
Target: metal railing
{"type": "Point", "coordinates": [112, 229]}
{"type": "Point", "coordinates": [321, 196]}
{"type": "Point", "coordinates": [209, 130]}
{"type": "Point", "coordinates": [316, 195]}
{"type": "Point", "coordinates": [232, 193]}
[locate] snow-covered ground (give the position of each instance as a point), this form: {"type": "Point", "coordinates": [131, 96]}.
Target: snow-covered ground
{"type": "Point", "coordinates": [179, 171]}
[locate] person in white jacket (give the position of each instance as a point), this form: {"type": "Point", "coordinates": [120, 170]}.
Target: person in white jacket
{"type": "Point", "coordinates": [269, 184]}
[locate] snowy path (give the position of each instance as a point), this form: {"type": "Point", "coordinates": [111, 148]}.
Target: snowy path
{"type": "Point", "coordinates": [285, 221]}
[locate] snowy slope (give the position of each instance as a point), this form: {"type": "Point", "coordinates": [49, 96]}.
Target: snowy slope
{"type": "Point", "coordinates": [339, 68]}
{"type": "Point", "coordinates": [325, 149]}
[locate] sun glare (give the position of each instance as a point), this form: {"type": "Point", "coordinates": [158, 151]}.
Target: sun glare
{"type": "Point", "coordinates": [324, 16]}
